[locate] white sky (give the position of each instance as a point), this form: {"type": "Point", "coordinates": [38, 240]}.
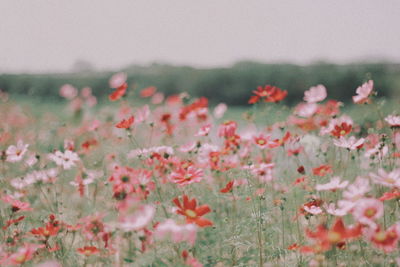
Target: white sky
{"type": "Point", "coordinates": [50, 35]}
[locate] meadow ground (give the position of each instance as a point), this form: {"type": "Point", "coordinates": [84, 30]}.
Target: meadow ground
{"type": "Point", "coordinates": [174, 182]}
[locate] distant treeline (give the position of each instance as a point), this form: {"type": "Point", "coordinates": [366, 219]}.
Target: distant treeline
{"type": "Point", "coordinates": [232, 85]}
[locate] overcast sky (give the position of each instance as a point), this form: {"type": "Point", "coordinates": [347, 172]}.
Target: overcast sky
{"type": "Point", "coordinates": [50, 35]}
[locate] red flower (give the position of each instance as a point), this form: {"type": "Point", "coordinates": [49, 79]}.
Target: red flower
{"type": "Point", "coordinates": [125, 123]}
{"type": "Point", "coordinates": [192, 212]}
{"type": "Point", "coordinates": [322, 170]}
{"type": "Point", "coordinates": [341, 130]}
{"type": "Point", "coordinates": [147, 92]}
{"type": "Point", "coordinates": [268, 94]}
{"type": "Point", "coordinates": [119, 92]}
{"type": "Point", "coordinates": [227, 188]}
{"type": "Point", "coordinates": [88, 250]}
{"type": "Point", "coordinates": [15, 221]}
{"type": "Point", "coordinates": [337, 235]}
{"type": "Point", "coordinates": [390, 195]}
{"type": "Point", "coordinates": [49, 230]}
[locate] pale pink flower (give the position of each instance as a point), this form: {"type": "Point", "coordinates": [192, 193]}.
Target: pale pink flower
{"type": "Point", "coordinates": [264, 171]}
{"type": "Point", "coordinates": [350, 143]}
{"type": "Point", "coordinates": [117, 80]}
{"type": "Point", "coordinates": [16, 153]}
{"type": "Point", "coordinates": [363, 92]}
{"type": "Point", "coordinates": [357, 189]}
{"type": "Point", "coordinates": [220, 110]}
{"type": "Point", "coordinates": [344, 207]}
{"type": "Point", "coordinates": [391, 179]}
{"type": "Point", "coordinates": [188, 147]}
{"type": "Point", "coordinates": [142, 114]}
{"type": "Point", "coordinates": [333, 185]}
{"type": "Point", "coordinates": [138, 220]}
{"type": "Point", "coordinates": [49, 264]}
{"type": "Point", "coordinates": [177, 232]}
{"type": "Point", "coordinates": [68, 91]}
{"type": "Point", "coordinates": [157, 98]}
{"type": "Point", "coordinates": [23, 254]}
{"type": "Point", "coordinates": [367, 210]}
{"type": "Point", "coordinates": [67, 160]}
{"type": "Point", "coordinates": [306, 110]}
{"type": "Point", "coordinates": [315, 94]}
{"type": "Point", "coordinates": [313, 210]}
{"type": "Point", "coordinates": [394, 121]}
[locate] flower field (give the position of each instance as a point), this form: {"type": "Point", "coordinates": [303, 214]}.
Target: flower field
{"type": "Point", "coordinates": [151, 180]}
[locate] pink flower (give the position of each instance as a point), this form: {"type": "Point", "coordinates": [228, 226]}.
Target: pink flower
{"type": "Point", "coordinates": [117, 80]}
{"type": "Point", "coordinates": [351, 143]}
{"type": "Point", "coordinates": [16, 153]}
{"type": "Point", "coordinates": [227, 129]}
{"type": "Point", "coordinates": [177, 232]}
{"type": "Point", "coordinates": [385, 240]}
{"type": "Point", "coordinates": [264, 171]}
{"type": "Point", "coordinates": [363, 92]}
{"type": "Point", "coordinates": [68, 91]}
{"type": "Point", "coordinates": [314, 210]}
{"type": "Point", "coordinates": [333, 185]}
{"type": "Point", "coordinates": [220, 110]}
{"type": "Point", "coordinates": [306, 110]}
{"type": "Point", "coordinates": [187, 176]}
{"type": "Point", "coordinates": [394, 121]}
{"type": "Point", "coordinates": [315, 94]}
{"type": "Point", "coordinates": [391, 179]}
{"type": "Point", "coordinates": [344, 207]}
{"type": "Point", "coordinates": [138, 220]}
{"type": "Point", "coordinates": [16, 204]}
{"type": "Point", "coordinates": [23, 254]}
{"type": "Point", "coordinates": [367, 210]}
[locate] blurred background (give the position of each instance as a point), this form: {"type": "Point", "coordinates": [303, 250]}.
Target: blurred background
{"type": "Point", "coordinates": [221, 49]}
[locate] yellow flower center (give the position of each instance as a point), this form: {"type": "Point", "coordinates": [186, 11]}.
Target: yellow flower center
{"type": "Point", "coordinates": [191, 213]}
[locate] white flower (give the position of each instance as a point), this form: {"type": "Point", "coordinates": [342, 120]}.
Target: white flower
{"type": "Point", "coordinates": [357, 190]}
{"type": "Point", "coordinates": [334, 184]}
{"type": "Point", "coordinates": [67, 159]}
{"type": "Point", "coordinates": [16, 153]}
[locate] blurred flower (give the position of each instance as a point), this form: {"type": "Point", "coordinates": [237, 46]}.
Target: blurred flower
{"type": "Point", "coordinates": [363, 92]}
{"type": "Point", "coordinates": [16, 153]}
{"type": "Point", "coordinates": [315, 94]}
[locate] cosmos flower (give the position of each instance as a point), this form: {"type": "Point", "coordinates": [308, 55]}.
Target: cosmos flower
{"type": "Point", "coordinates": [391, 179]}
{"type": "Point", "coordinates": [351, 143]}
{"type": "Point", "coordinates": [16, 153]}
{"type": "Point", "coordinates": [363, 92]}
{"type": "Point", "coordinates": [333, 185]}
{"type": "Point", "coordinates": [187, 176]}
{"type": "Point", "coordinates": [67, 160]}
{"type": "Point", "coordinates": [315, 94]}
{"type": "Point", "coordinates": [367, 210]}
{"type": "Point", "coordinates": [394, 121]}
{"type": "Point", "coordinates": [192, 212]}
{"type": "Point", "coordinates": [177, 232]}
